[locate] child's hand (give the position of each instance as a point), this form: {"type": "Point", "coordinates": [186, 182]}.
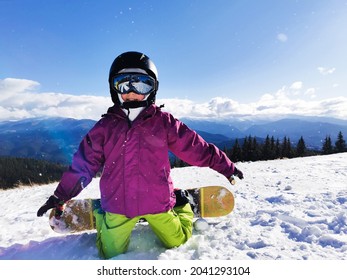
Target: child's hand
{"type": "Point", "coordinates": [52, 202]}
{"type": "Point", "coordinates": [238, 173]}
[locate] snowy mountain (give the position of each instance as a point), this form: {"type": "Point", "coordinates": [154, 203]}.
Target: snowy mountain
{"type": "Point", "coordinates": [313, 130]}
{"type": "Point", "coordinates": [54, 139]}
{"type": "Point", "coordinates": [294, 209]}
{"type": "Point", "coordinates": [314, 133]}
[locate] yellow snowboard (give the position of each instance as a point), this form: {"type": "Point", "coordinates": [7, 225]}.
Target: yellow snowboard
{"type": "Point", "coordinates": [206, 202]}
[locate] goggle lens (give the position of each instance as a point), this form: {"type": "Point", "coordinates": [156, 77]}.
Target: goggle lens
{"type": "Point", "coordinates": [138, 83]}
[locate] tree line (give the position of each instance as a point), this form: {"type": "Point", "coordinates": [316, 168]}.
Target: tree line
{"type": "Point", "coordinates": [254, 149]}
{"type": "Point", "coordinates": [15, 172]}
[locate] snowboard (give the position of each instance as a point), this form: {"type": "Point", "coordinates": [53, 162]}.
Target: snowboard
{"type": "Point", "coordinates": [206, 202]}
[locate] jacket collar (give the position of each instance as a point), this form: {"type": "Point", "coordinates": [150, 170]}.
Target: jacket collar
{"type": "Point", "coordinates": [116, 111]}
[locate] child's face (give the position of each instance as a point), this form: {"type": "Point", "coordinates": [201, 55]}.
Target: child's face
{"type": "Point", "coordinates": [132, 96]}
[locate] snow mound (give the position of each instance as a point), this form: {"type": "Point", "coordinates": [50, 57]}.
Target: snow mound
{"type": "Point", "coordinates": [288, 209]}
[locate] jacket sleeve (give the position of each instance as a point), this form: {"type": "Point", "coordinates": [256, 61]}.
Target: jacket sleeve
{"type": "Point", "coordinates": [190, 147]}
{"type": "Point", "coordinates": [86, 162]}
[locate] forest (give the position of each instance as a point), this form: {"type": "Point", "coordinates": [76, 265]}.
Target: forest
{"type": "Point", "coordinates": [16, 172]}
{"type": "Point", "coordinates": [254, 149]}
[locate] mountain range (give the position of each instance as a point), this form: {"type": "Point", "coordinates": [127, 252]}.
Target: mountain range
{"type": "Point", "coordinates": [312, 129]}
{"type": "Point", "coordinates": [53, 139]}
{"type": "Point", "coordinates": [56, 139]}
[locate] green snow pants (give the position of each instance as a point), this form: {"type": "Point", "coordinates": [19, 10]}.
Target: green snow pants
{"type": "Point", "coordinates": [173, 228]}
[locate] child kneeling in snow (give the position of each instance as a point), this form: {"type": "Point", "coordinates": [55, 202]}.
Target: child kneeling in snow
{"type": "Point", "coordinates": [131, 144]}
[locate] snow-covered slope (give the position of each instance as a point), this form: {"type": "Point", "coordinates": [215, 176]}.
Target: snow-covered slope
{"type": "Point", "coordinates": [285, 209]}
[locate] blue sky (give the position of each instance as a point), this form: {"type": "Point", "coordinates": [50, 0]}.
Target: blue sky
{"type": "Point", "coordinates": [241, 55]}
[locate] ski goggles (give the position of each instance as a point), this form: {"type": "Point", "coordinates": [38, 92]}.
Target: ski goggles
{"type": "Point", "coordinates": [134, 82]}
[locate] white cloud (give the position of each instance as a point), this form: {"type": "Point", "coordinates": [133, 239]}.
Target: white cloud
{"type": "Point", "coordinates": [326, 71]}
{"type": "Point", "coordinates": [311, 92]}
{"type": "Point", "coordinates": [20, 99]}
{"type": "Point", "coordinates": [296, 85]}
{"type": "Point", "coordinates": [282, 37]}
{"type": "Point", "coordinates": [9, 86]}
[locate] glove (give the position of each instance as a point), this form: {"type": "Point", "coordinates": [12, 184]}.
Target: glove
{"type": "Point", "coordinates": [238, 173]}
{"type": "Point", "coordinates": [52, 202]}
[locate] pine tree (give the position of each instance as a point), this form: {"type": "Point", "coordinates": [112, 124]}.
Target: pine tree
{"type": "Point", "coordinates": [340, 144]}
{"type": "Point", "coordinates": [289, 148]}
{"type": "Point", "coordinates": [256, 150]}
{"type": "Point", "coordinates": [236, 152]}
{"type": "Point", "coordinates": [266, 151]}
{"type": "Point", "coordinates": [247, 148]}
{"type": "Point", "coordinates": [301, 147]}
{"type": "Point", "coordinates": [278, 153]}
{"type": "Point", "coordinates": [327, 146]}
{"type": "Point", "coordinates": [272, 148]}
{"type": "Point", "coordinates": [286, 148]}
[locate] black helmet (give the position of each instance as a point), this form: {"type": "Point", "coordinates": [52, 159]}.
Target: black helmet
{"type": "Point", "coordinates": [133, 60]}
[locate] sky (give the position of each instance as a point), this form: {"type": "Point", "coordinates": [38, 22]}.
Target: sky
{"type": "Point", "coordinates": [216, 59]}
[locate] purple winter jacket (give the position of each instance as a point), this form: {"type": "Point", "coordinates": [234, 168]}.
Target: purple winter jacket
{"type": "Point", "coordinates": [135, 163]}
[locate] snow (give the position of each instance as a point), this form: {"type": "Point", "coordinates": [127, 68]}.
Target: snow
{"type": "Point", "coordinates": [290, 209]}
{"type": "Point", "coordinates": [201, 225]}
